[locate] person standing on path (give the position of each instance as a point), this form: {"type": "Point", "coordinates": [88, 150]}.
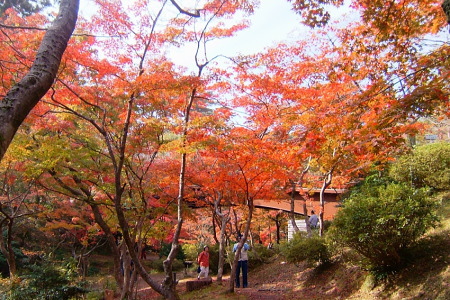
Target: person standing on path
{"type": "Point", "coordinates": [313, 220]}
{"type": "Point", "coordinates": [242, 264]}
{"type": "Point", "coordinates": [203, 262]}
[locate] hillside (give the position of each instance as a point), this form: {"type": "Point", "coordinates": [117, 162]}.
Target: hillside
{"type": "Point", "coordinates": [426, 276]}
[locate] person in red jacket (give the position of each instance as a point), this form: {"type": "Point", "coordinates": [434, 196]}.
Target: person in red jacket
{"type": "Point", "coordinates": [203, 262]}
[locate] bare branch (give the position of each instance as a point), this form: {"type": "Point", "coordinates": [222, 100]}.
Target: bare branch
{"type": "Point", "coordinates": [195, 15]}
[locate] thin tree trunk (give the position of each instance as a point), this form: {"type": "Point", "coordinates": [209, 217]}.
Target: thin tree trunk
{"type": "Point", "coordinates": [126, 267]}
{"type": "Point", "coordinates": [224, 220]}
{"type": "Point", "coordinates": [326, 183]}
{"type": "Point", "coordinates": [305, 214]}
{"type": "Point", "coordinates": [112, 245]}
{"type": "Point", "coordinates": [278, 225]}
{"type": "Point", "coordinates": [214, 226]}
{"type": "Point", "coordinates": [166, 289]}
{"type": "Point", "coordinates": [222, 249]}
{"type": "Point", "coordinates": [292, 212]}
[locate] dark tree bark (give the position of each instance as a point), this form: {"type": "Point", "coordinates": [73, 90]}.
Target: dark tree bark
{"type": "Point", "coordinates": [112, 245]}
{"type": "Point", "coordinates": [23, 96]}
{"type": "Point", "coordinates": [6, 246]}
{"type": "Point", "coordinates": [446, 8]}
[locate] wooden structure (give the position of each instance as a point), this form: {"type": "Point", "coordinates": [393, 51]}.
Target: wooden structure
{"type": "Point", "coordinates": [197, 284]}
{"type": "Point", "coordinates": [331, 197]}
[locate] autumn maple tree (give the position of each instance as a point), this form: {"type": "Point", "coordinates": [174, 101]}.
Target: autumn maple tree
{"type": "Point", "coordinates": [349, 100]}
{"type": "Point", "coordinates": [129, 138]}
{"type": "Point", "coordinates": [116, 108]}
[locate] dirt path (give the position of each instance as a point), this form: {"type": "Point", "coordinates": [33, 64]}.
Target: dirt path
{"type": "Point", "coordinates": [258, 292]}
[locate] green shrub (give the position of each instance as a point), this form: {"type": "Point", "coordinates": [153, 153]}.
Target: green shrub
{"type": "Point", "coordinates": [158, 265]}
{"type": "Point", "coordinates": [310, 249]}
{"type": "Point", "coordinates": [93, 270]}
{"type": "Point", "coordinates": [191, 251]}
{"type": "Point", "coordinates": [380, 220]}
{"type": "Point", "coordinates": [178, 265]}
{"type": "Point", "coordinates": [95, 295]}
{"type": "Point", "coordinates": [427, 165]}
{"type": "Point", "coordinates": [259, 255]}
{"type": "Point", "coordinates": [46, 281]}
{"type": "Point", "coordinates": [165, 250]}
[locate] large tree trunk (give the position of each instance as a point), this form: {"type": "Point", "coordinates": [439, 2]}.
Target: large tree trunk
{"type": "Point", "coordinates": [23, 96]}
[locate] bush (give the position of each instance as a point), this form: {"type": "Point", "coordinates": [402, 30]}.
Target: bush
{"type": "Point", "coordinates": [427, 165]}
{"type": "Point", "coordinates": [381, 219]}
{"type": "Point", "coordinates": [158, 265]}
{"type": "Point", "coordinates": [191, 251]}
{"type": "Point", "coordinates": [310, 249]}
{"type": "Point", "coordinates": [165, 250]}
{"type": "Point", "coordinates": [45, 281]}
{"type": "Point", "coordinates": [259, 255]}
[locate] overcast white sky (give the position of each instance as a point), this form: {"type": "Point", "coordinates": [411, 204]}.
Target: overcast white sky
{"type": "Point", "coordinates": [272, 22]}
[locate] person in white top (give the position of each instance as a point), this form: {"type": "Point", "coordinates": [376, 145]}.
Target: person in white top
{"type": "Point", "coordinates": [242, 264]}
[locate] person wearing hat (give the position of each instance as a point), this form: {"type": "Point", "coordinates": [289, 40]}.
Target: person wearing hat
{"type": "Point", "coordinates": [242, 264]}
{"type": "Point", "coordinates": [203, 262]}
